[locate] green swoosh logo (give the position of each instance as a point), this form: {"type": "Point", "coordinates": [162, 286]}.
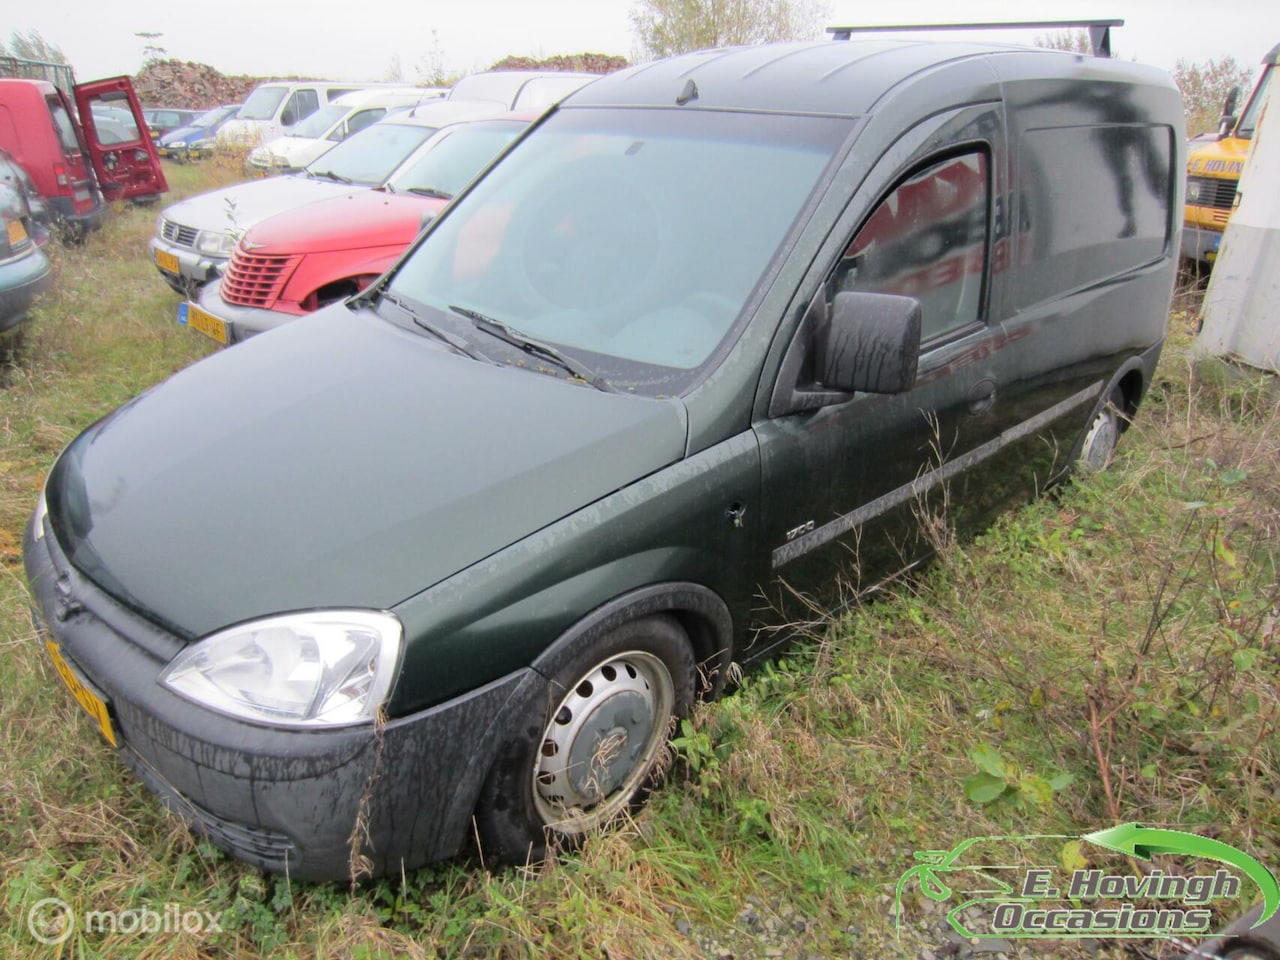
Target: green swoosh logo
{"type": "Point", "coordinates": [1136, 840]}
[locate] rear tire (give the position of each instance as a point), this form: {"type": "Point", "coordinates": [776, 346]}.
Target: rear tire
{"type": "Point", "coordinates": [1103, 435]}
{"type": "Point", "coordinates": [596, 752]}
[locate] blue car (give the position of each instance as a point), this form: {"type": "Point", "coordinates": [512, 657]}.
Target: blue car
{"type": "Point", "coordinates": [196, 140]}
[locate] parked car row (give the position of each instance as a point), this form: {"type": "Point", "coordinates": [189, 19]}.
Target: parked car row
{"type": "Point", "coordinates": [195, 239]}
{"type": "Point", "coordinates": [317, 254]}
{"type": "Point", "coordinates": [331, 124]}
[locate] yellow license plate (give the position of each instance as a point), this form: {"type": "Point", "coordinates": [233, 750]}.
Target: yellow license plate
{"type": "Point", "coordinates": [167, 261]}
{"type": "Point", "coordinates": [90, 701]}
{"type": "Point", "coordinates": [210, 326]}
{"type": "Point", "coordinates": [17, 232]}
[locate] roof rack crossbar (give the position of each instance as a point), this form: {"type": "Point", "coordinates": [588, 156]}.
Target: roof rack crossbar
{"type": "Point", "coordinates": [1099, 30]}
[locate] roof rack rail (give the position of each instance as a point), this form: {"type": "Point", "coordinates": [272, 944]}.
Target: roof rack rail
{"type": "Point", "coordinates": [1099, 30]}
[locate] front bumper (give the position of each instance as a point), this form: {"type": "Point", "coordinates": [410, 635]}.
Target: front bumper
{"type": "Point", "coordinates": [22, 279]}
{"type": "Point", "coordinates": [282, 800]}
{"type": "Point", "coordinates": [182, 267]}
{"type": "Point", "coordinates": [241, 322]}
{"type": "Point", "coordinates": [1199, 244]}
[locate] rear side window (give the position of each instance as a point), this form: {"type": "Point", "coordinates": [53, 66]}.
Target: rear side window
{"type": "Point", "coordinates": [62, 123]}
{"type": "Point", "coordinates": [300, 106]}
{"type": "Point", "coordinates": [1093, 202]}
{"type": "Point", "coordinates": [927, 239]}
{"type": "Point", "coordinates": [362, 119]}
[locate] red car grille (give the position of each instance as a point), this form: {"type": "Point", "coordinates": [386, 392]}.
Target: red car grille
{"type": "Point", "coordinates": [253, 280]}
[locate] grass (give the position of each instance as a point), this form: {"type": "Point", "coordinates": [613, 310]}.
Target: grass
{"type": "Point", "coordinates": [1108, 653]}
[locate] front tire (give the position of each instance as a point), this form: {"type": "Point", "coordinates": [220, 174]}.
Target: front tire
{"type": "Point", "coordinates": [596, 752]}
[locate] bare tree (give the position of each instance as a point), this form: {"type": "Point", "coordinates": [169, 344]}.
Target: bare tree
{"type": "Point", "coordinates": [666, 27]}
{"type": "Point", "coordinates": [1072, 41]}
{"type": "Point", "coordinates": [152, 52]}
{"type": "Point", "coordinates": [1204, 86]}
{"type": "Point", "coordinates": [29, 45]}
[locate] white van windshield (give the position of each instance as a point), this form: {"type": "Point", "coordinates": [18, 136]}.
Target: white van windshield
{"type": "Point", "coordinates": [318, 124]}
{"type": "Point", "coordinates": [262, 103]}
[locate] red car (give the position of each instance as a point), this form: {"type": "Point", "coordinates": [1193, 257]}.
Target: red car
{"type": "Point", "coordinates": [295, 262]}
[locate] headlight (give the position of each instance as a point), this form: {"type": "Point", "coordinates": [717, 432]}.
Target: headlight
{"type": "Point", "coordinates": [327, 668]}
{"type": "Point", "coordinates": [215, 244]}
{"type": "Point", "coordinates": [175, 145]}
{"type": "Point", "coordinates": [208, 144]}
{"type": "Point", "coordinates": [1193, 191]}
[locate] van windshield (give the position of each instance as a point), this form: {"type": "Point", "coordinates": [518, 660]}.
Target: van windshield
{"type": "Point", "coordinates": [318, 124]}
{"type": "Point", "coordinates": [1249, 122]}
{"type": "Point", "coordinates": [628, 239]}
{"type": "Point", "coordinates": [262, 103]}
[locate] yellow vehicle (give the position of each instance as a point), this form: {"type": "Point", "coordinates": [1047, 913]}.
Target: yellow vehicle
{"type": "Point", "coordinates": [1214, 168]}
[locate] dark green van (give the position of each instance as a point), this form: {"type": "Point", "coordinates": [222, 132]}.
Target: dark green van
{"type": "Point", "coordinates": [697, 345]}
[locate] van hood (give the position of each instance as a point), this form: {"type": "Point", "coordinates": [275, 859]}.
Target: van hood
{"type": "Point", "coordinates": [236, 208]}
{"type": "Point", "coordinates": [290, 151]}
{"type": "Point", "coordinates": [356, 221]}
{"type": "Point", "coordinates": [339, 461]}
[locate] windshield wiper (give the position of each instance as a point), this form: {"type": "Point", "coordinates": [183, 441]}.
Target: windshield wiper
{"type": "Point", "coordinates": [509, 335]}
{"type": "Point", "coordinates": [458, 344]}
{"type": "Point", "coordinates": [431, 192]}
{"type": "Point", "coordinates": [329, 175]}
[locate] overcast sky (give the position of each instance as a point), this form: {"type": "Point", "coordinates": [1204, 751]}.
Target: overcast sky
{"type": "Point", "coordinates": [341, 40]}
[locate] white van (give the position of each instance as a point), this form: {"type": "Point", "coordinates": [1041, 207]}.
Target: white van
{"type": "Point", "coordinates": [333, 123]}
{"type": "Point", "coordinates": [278, 106]}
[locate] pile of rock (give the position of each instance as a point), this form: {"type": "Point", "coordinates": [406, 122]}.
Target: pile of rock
{"type": "Point", "coordinates": [197, 86]}
{"type": "Point", "coordinates": [574, 62]}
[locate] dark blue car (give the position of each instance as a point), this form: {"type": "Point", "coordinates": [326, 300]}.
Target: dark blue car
{"type": "Point", "coordinates": [196, 139]}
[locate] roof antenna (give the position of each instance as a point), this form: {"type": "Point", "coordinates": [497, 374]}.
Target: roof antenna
{"type": "Point", "coordinates": [690, 92]}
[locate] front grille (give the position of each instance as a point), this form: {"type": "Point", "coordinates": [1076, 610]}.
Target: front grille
{"type": "Point", "coordinates": [254, 280]}
{"type": "Point", "coordinates": [1216, 192]}
{"type": "Point", "coordinates": [178, 234]}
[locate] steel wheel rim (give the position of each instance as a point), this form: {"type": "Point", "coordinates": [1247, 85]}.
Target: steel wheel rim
{"type": "Point", "coordinates": [602, 741]}
{"type": "Point", "coordinates": [1100, 442]}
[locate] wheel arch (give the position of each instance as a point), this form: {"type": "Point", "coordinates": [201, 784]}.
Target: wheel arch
{"type": "Point", "coordinates": [1131, 379]}
{"type": "Point", "coordinates": [702, 614]}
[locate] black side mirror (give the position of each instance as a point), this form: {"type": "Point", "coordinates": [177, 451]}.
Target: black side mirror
{"type": "Point", "coordinates": [1227, 122]}
{"type": "Point", "coordinates": [870, 343]}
